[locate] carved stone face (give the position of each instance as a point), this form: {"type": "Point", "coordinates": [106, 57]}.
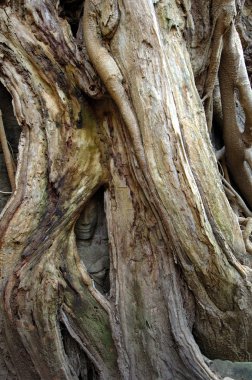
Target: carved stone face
{"type": "Point", "coordinates": [86, 224]}
{"type": "Point", "coordinates": [92, 241]}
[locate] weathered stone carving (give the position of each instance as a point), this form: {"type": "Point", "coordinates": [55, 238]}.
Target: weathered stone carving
{"type": "Point", "coordinates": [92, 241]}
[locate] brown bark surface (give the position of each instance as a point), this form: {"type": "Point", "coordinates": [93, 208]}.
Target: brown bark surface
{"type": "Point", "coordinates": [122, 105]}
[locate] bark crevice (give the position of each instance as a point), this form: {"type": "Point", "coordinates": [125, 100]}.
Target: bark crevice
{"type": "Point", "coordinates": [112, 102]}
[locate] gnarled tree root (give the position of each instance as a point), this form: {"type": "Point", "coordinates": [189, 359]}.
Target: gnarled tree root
{"type": "Point", "coordinates": [232, 75]}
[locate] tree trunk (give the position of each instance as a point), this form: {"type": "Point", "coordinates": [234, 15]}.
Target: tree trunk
{"type": "Point", "coordinates": [111, 118]}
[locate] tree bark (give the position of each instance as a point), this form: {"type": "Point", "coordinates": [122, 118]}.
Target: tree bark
{"type": "Point", "coordinates": [112, 106]}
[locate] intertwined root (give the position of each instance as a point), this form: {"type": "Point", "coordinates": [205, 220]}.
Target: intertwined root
{"type": "Point", "coordinates": [237, 139]}
{"type": "Point", "coordinates": [227, 65]}
{"type": "Point", "coordinates": [223, 13]}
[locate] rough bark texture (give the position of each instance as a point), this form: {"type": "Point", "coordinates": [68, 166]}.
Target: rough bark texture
{"type": "Point", "coordinates": [105, 93]}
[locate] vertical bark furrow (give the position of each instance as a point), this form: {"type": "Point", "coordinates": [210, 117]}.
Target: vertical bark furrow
{"type": "Point", "coordinates": [162, 199]}
{"type": "Point", "coordinates": [58, 171]}
{"type": "Point", "coordinates": [176, 250]}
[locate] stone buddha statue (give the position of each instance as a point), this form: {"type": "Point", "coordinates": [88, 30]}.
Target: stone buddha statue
{"type": "Point", "coordinates": [92, 241]}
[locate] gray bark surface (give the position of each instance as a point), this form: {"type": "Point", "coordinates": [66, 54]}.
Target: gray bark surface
{"type": "Point", "coordinates": [125, 247]}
